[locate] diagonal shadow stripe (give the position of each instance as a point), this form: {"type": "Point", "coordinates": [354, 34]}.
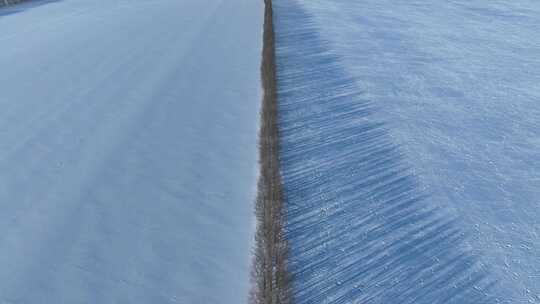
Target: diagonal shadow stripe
{"type": "Point", "coordinates": [360, 229]}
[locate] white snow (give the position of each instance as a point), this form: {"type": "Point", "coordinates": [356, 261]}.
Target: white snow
{"type": "Point", "coordinates": [456, 86]}
{"type": "Point", "coordinates": [128, 150]}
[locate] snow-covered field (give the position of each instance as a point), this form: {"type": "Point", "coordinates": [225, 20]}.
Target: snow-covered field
{"type": "Point", "coordinates": [128, 150]}
{"type": "Point", "coordinates": [411, 149]}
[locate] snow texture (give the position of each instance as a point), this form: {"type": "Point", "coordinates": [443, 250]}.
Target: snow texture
{"type": "Point", "coordinates": [128, 150]}
{"type": "Point", "coordinates": [410, 149]}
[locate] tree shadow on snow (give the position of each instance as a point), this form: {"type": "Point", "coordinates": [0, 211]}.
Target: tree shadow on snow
{"type": "Point", "coordinates": [360, 229]}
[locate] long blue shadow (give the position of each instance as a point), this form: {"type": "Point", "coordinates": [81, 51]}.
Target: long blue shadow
{"type": "Point", "coordinates": [360, 229]}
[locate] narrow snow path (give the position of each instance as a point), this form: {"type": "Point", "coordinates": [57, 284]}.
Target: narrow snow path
{"type": "Point", "coordinates": [128, 144]}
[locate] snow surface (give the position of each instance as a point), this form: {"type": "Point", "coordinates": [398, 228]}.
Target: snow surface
{"type": "Point", "coordinates": [411, 149]}
{"type": "Point", "coordinates": [128, 150]}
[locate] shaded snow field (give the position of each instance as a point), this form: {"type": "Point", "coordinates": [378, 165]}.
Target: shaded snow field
{"type": "Point", "coordinates": [128, 150]}
{"type": "Point", "coordinates": [411, 149]}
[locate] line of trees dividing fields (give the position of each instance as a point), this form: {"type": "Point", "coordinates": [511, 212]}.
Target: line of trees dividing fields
{"type": "Point", "coordinates": [271, 280]}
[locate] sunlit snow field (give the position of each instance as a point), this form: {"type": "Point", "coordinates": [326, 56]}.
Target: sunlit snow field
{"type": "Point", "coordinates": [128, 150]}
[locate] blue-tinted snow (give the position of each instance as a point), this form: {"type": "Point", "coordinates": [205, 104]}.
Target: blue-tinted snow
{"type": "Point", "coordinates": [411, 149]}
{"type": "Point", "coordinates": [128, 150]}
